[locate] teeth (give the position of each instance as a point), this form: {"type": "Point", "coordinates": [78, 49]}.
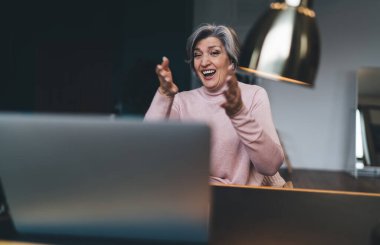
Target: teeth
{"type": "Point", "coordinates": [207, 72]}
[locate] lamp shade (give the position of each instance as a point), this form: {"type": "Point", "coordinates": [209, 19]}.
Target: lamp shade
{"type": "Point", "coordinates": [284, 44]}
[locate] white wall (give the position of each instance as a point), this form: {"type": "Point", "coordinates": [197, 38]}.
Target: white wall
{"type": "Point", "coordinates": [316, 125]}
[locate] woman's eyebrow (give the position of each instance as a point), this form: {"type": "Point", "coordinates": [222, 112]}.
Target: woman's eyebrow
{"type": "Point", "coordinates": [210, 47]}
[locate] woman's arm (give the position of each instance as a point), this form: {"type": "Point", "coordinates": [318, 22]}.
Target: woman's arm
{"type": "Point", "coordinates": [255, 128]}
{"type": "Point", "coordinates": [162, 104]}
{"type": "Point", "coordinates": [161, 108]}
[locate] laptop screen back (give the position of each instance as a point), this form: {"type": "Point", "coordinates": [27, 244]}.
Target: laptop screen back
{"type": "Point", "coordinates": [97, 177]}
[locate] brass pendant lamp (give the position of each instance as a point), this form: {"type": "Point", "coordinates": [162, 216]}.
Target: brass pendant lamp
{"type": "Point", "coordinates": [284, 44]}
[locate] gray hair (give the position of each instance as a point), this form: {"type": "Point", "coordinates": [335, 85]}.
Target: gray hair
{"type": "Point", "coordinates": [225, 34]}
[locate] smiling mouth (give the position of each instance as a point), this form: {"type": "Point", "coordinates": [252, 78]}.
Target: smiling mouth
{"type": "Point", "coordinates": [208, 74]}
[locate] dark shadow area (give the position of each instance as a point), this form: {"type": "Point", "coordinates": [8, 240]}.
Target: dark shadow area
{"type": "Point", "coordinates": [7, 229]}
{"type": "Point", "coordinates": [89, 56]}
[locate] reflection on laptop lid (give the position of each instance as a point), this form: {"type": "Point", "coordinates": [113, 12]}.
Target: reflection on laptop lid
{"type": "Point", "coordinates": [97, 177]}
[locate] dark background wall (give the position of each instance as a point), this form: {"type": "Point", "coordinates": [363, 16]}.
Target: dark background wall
{"type": "Point", "coordinates": [90, 56]}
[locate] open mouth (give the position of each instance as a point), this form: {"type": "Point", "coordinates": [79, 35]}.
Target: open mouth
{"type": "Point", "coordinates": [208, 73]}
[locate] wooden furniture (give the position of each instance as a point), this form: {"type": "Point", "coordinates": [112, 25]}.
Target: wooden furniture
{"type": "Point", "coordinates": [267, 215]}
{"type": "Point", "coordinates": [293, 216]}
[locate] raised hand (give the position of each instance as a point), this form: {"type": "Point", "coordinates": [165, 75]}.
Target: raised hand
{"type": "Point", "coordinates": [164, 74]}
{"type": "Point", "coordinates": [233, 103]}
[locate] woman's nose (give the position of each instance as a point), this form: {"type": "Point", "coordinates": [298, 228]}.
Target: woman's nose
{"type": "Point", "coordinates": [205, 60]}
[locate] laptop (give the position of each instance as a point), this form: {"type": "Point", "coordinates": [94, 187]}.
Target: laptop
{"type": "Point", "coordinates": [101, 177]}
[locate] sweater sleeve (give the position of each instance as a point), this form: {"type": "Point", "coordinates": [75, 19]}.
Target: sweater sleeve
{"type": "Point", "coordinates": [162, 107]}
{"type": "Point", "coordinates": [256, 130]}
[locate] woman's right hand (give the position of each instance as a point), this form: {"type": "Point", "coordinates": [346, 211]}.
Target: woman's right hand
{"type": "Point", "coordinates": [164, 74]}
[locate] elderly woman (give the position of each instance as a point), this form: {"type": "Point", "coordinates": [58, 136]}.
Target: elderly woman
{"type": "Point", "coordinates": [245, 148]}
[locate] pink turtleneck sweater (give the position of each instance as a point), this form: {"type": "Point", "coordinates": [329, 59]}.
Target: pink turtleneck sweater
{"type": "Point", "coordinates": [245, 149]}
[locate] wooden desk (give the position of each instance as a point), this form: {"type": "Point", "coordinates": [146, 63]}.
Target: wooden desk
{"type": "Point", "coordinates": [272, 216]}
{"type": "Point", "coordinates": [242, 216]}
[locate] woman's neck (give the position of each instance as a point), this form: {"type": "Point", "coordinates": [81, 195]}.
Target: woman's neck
{"type": "Point", "coordinates": [215, 92]}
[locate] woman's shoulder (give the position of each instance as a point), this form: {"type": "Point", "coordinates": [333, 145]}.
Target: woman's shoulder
{"type": "Point", "coordinates": [253, 95]}
{"type": "Point", "coordinates": [251, 89]}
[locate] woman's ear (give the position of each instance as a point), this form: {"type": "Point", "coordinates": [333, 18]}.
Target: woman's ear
{"type": "Point", "coordinates": [233, 64]}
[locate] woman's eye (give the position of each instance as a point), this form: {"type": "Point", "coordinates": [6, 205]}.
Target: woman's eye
{"type": "Point", "coordinates": [196, 55]}
{"type": "Point", "coordinates": [215, 53]}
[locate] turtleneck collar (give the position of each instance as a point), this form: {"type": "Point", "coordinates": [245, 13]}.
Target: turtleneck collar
{"type": "Point", "coordinates": [216, 93]}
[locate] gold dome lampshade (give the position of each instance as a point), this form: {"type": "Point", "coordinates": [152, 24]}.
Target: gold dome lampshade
{"type": "Point", "coordinates": [284, 44]}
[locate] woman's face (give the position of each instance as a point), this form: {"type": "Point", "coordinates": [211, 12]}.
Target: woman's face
{"type": "Point", "coordinates": [211, 63]}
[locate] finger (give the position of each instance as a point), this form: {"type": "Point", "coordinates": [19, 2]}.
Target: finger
{"type": "Point", "coordinates": [233, 79]}
{"type": "Point", "coordinates": [231, 69]}
{"type": "Point", "coordinates": [227, 93]}
{"type": "Point", "coordinates": [165, 63]}
{"type": "Point", "coordinates": [229, 82]}
{"type": "Point", "coordinates": [164, 76]}
{"type": "Point", "coordinates": [227, 107]}
{"type": "Point", "coordinates": [230, 97]}
{"type": "Point", "coordinates": [233, 89]}
{"type": "Point", "coordinates": [228, 78]}
{"type": "Point", "coordinates": [163, 73]}
{"type": "Point", "coordinates": [233, 96]}
{"type": "Point", "coordinates": [232, 100]}
{"type": "Point", "coordinates": [158, 68]}
{"type": "Point", "coordinates": [224, 105]}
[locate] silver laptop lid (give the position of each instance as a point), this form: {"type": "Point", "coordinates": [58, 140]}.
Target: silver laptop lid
{"type": "Point", "coordinates": [93, 176]}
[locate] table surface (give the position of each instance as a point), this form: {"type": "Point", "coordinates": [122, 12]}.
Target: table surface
{"type": "Point", "coordinates": [262, 215]}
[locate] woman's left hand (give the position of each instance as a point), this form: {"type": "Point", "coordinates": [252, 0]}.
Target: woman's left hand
{"type": "Point", "coordinates": [233, 103]}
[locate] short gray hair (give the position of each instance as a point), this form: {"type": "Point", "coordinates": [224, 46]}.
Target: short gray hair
{"type": "Point", "coordinates": [225, 34]}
